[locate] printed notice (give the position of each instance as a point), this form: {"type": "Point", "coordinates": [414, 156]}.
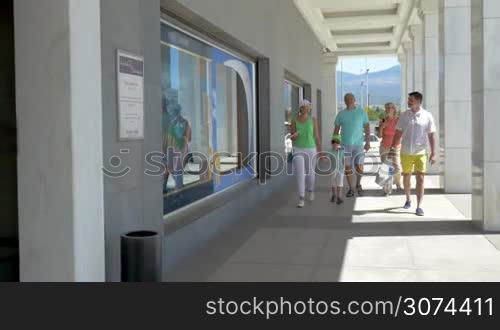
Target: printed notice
{"type": "Point", "coordinates": [131, 96]}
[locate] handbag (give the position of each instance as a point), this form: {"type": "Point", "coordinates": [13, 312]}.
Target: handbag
{"type": "Point", "coordinates": [385, 175]}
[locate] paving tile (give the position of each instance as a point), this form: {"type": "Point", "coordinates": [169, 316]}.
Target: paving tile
{"type": "Point", "coordinates": [454, 252]}
{"type": "Point", "coordinates": [351, 274]}
{"type": "Point", "coordinates": [368, 239]}
{"type": "Point", "coordinates": [463, 203]}
{"type": "Point", "coordinates": [279, 253]}
{"type": "Point", "coordinates": [262, 273]}
{"type": "Point", "coordinates": [327, 274]}
{"type": "Point", "coordinates": [378, 252]}
{"type": "Point", "coordinates": [495, 240]}
{"type": "Point", "coordinates": [459, 275]}
{"type": "Point", "coordinates": [364, 274]}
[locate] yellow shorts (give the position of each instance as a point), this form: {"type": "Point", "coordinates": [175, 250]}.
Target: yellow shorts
{"type": "Point", "coordinates": [414, 163]}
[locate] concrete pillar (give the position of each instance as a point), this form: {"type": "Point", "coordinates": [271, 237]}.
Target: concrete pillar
{"type": "Point", "coordinates": [418, 57]}
{"type": "Point", "coordinates": [410, 67]}
{"type": "Point", "coordinates": [431, 68]}
{"type": "Point", "coordinates": [485, 96]}
{"type": "Point", "coordinates": [455, 95]}
{"type": "Point", "coordinates": [329, 99]}
{"type": "Point", "coordinates": [59, 112]}
{"type": "Point", "coordinates": [403, 63]}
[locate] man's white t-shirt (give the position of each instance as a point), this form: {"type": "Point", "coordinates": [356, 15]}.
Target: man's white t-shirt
{"type": "Point", "coordinates": [416, 128]}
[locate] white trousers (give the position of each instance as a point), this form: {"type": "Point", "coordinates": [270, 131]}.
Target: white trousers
{"type": "Point", "coordinates": [304, 164]}
{"type": "Point", "coordinates": [338, 179]}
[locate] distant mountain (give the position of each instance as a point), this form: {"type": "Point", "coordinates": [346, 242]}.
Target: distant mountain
{"type": "Point", "coordinates": [385, 86]}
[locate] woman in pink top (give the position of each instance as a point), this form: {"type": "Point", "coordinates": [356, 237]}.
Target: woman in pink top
{"type": "Point", "coordinates": [387, 133]}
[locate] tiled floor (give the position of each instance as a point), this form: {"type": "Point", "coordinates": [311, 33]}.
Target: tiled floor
{"type": "Point", "coordinates": [367, 239]}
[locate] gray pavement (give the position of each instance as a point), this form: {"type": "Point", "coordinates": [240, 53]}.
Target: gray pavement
{"type": "Point", "coordinates": [368, 239]}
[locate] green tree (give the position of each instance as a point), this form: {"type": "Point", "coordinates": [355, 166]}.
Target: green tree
{"type": "Point", "coordinates": [373, 115]}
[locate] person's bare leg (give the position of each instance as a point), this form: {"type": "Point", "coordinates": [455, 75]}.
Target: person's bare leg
{"type": "Point", "coordinates": [339, 193]}
{"type": "Point", "coordinates": [340, 196]}
{"type": "Point", "coordinates": [360, 169]}
{"type": "Point", "coordinates": [349, 174]}
{"type": "Point", "coordinates": [397, 174]}
{"type": "Point", "coordinates": [397, 180]}
{"type": "Point", "coordinates": [420, 188]}
{"type": "Point", "coordinates": [407, 185]}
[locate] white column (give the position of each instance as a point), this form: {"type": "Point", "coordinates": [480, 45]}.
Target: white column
{"type": "Point", "coordinates": [431, 68]}
{"type": "Point", "coordinates": [455, 95]}
{"type": "Point", "coordinates": [418, 53]}
{"type": "Point", "coordinates": [403, 63]}
{"type": "Point", "coordinates": [486, 93]}
{"type": "Point", "coordinates": [329, 98]}
{"type": "Point", "coordinates": [59, 111]}
{"type": "Point", "coordinates": [410, 66]}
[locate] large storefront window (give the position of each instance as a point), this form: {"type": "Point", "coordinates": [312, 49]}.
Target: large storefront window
{"type": "Point", "coordinates": [208, 118]}
{"type": "Point", "coordinates": [293, 95]}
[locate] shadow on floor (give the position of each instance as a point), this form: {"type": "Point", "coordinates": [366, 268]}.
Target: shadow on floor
{"type": "Point", "coordinates": [379, 193]}
{"type": "Point", "coordinates": [279, 242]}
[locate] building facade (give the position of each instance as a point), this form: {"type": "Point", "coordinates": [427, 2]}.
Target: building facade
{"type": "Point", "coordinates": [218, 82]}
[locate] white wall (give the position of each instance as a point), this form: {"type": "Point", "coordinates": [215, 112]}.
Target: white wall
{"type": "Point", "coordinates": [58, 100]}
{"type": "Point", "coordinates": [455, 95]}
{"type": "Point", "coordinates": [277, 30]}
{"type": "Point", "coordinates": [485, 94]}
{"type": "Point", "coordinates": [67, 118]}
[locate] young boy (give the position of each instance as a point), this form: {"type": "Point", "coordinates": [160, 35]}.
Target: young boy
{"type": "Point", "coordinates": [338, 162]}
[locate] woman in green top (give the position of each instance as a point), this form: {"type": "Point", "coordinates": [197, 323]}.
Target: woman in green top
{"type": "Point", "coordinates": [306, 147]}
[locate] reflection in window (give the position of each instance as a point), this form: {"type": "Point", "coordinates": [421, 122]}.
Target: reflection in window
{"type": "Point", "coordinates": [208, 118]}
{"type": "Point", "coordinates": [232, 116]}
{"type": "Point", "coordinates": [185, 110]}
{"type": "Point", "coordinates": [293, 95]}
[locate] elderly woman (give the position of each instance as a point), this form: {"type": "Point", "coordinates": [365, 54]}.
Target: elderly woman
{"type": "Point", "coordinates": [306, 147]}
{"type": "Point", "coordinates": [387, 133]}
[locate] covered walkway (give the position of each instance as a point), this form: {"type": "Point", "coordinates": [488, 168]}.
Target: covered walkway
{"type": "Point", "coordinates": [85, 160]}
{"type": "Point", "coordinates": [367, 239]}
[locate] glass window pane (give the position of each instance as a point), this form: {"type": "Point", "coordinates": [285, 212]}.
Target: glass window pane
{"type": "Point", "coordinates": [208, 118]}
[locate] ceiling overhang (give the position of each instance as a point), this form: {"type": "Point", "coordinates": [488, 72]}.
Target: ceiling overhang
{"type": "Point", "coordinates": [360, 27]}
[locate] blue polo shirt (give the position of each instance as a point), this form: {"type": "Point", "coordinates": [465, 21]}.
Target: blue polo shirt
{"type": "Point", "coordinates": [352, 123]}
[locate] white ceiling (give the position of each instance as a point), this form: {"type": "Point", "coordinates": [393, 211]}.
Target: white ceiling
{"type": "Point", "coordinates": [360, 27]}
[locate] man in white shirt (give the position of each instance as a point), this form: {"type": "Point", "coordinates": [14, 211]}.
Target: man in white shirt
{"type": "Point", "coordinates": [415, 131]}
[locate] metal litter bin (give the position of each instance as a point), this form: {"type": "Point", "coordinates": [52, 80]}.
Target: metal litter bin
{"type": "Point", "coordinates": [141, 259]}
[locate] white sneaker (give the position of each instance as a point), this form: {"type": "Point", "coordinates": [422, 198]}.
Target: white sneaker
{"type": "Point", "coordinates": [301, 204]}
{"type": "Point", "coordinates": [311, 196]}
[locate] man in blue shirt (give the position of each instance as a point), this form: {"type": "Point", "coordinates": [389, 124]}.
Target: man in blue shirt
{"type": "Point", "coordinates": [354, 125]}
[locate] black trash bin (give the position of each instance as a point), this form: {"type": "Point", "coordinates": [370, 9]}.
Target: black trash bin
{"type": "Point", "coordinates": [141, 257]}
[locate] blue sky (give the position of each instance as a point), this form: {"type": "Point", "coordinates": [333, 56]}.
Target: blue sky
{"type": "Point", "coordinates": [375, 63]}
